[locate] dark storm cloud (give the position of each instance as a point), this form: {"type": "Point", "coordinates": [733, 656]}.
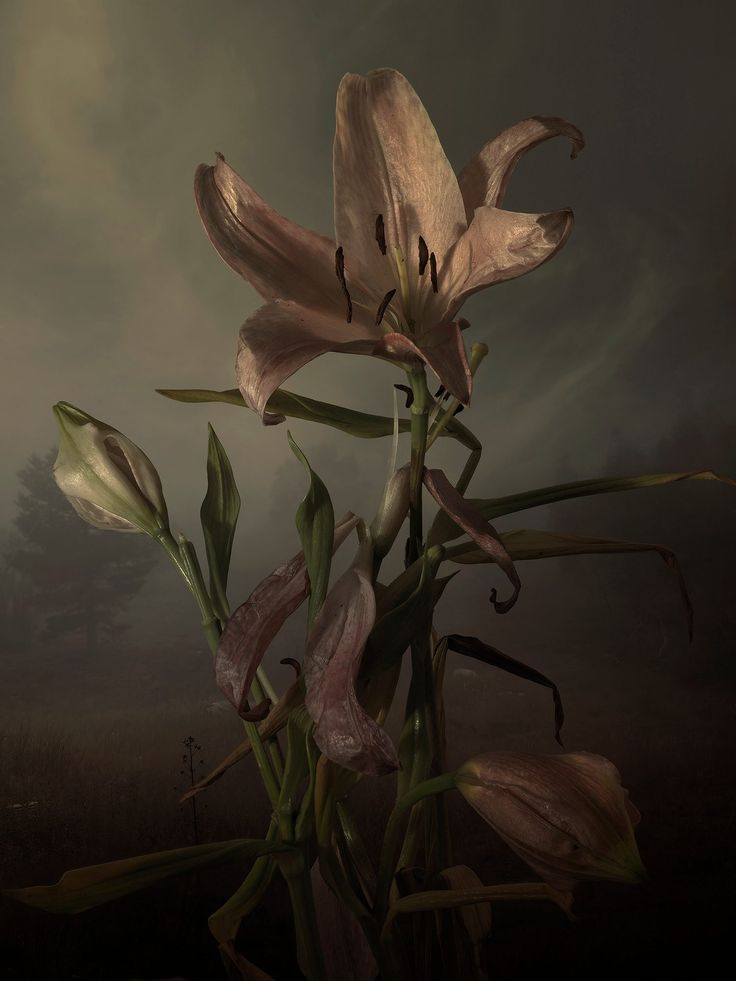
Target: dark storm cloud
{"type": "Point", "coordinates": [110, 288]}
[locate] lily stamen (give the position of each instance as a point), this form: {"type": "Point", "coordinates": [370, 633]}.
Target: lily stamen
{"type": "Point", "coordinates": [340, 273]}
{"type": "Point", "coordinates": [400, 263]}
{"type": "Point", "coordinates": [423, 255]}
{"type": "Point", "coordinates": [384, 304]}
{"type": "Point", "coordinates": [433, 271]}
{"type": "Point", "coordinates": [381, 234]}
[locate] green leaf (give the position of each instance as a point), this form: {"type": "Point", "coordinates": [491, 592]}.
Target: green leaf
{"type": "Point", "coordinates": [219, 516]}
{"type": "Point", "coordinates": [475, 648]}
{"type": "Point", "coordinates": [433, 899]}
{"type": "Point", "coordinates": [315, 521]}
{"type": "Point", "coordinates": [82, 889]}
{"type": "Point", "coordinates": [444, 528]}
{"type": "Point", "coordinates": [531, 543]}
{"type": "Point", "coordinates": [364, 425]}
{"type": "Point", "coordinates": [224, 922]}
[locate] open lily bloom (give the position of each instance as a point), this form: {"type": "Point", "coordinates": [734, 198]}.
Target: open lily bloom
{"type": "Point", "coordinates": [412, 242]}
{"type": "Point", "coordinates": [567, 816]}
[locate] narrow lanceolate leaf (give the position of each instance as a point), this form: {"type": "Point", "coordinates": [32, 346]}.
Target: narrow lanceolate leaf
{"type": "Point", "coordinates": [219, 516]}
{"type": "Point", "coordinates": [477, 527]}
{"type": "Point", "coordinates": [81, 889]}
{"type": "Point", "coordinates": [531, 543]}
{"type": "Point", "coordinates": [315, 522]}
{"type": "Point", "coordinates": [445, 530]}
{"type": "Point", "coordinates": [433, 899]}
{"type": "Point", "coordinates": [250, 630]}
{"type": "Point", "coordinates": [364, 425]}
{"type": "Point", "coordinates": [475, 648]}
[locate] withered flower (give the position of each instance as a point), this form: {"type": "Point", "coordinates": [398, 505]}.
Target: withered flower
{"type": "Point", "coordinates": [567, 816]}
{"type": "Point", "coordinates": [412, 242]}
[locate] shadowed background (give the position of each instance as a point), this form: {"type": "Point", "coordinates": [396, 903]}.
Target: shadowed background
{"type": "Point", "coordinates": [616, 357]}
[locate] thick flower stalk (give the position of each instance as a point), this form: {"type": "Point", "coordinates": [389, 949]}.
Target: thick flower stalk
{"type": "Point", "coordinates": [108, 480]}
{"type": "Point", "coordinates": [412, 242]}
{"type": "Point", "coordinates": [567, 816]}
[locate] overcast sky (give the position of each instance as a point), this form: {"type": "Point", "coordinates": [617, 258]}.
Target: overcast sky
{"type": "Point", "coordinates": [109, 287]}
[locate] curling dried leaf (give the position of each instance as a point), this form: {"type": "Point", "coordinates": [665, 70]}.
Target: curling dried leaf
{"type": "Point", "coordinates": [477, 527]}
{"type": "Point", "coordinates": [531, 543]}
{"type": "Point", "coordinates": [475, 648]}
{"type": "Point", "coordinates": [445, 529]}
{"type": "Point", "coordinates": [364, 425]}
{"type": "Point", "coordinates": [315, 521]}
{"type": "Point", "coordinates": [219, 516]}
{"type": "Point", "coordinates": [82, 889]}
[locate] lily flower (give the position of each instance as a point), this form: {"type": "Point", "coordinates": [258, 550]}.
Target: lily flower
{"type": "Point", "coordinates": [108, 480]}
{"type": "Point", "coordinates": [567, 816]}
{"type": "Point", "coordinates": [412, 242]}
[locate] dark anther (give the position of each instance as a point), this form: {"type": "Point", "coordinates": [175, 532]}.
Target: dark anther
{"type": "Point", "coordinates": [463, 324]}
{"type": "Point", "coordinates": [408, 392]}
{"type": "Point", "coordinates": [433, 270]}
{"type": "Point", "coordinates": [382, 307]}
{"type": "Point", "coordinates": [423, 255]}
{"type": "Point", "coordinates": [440, 391]}
{"type": "Point", "coordinates": [458, 410]}
{"type": "Point", "coordinates": [381, 235]}
{"type": "Point", "coordinates": [257, 714]}
{"type": "Point", "coordinates": [340, 273]}
{"type": "Point", "coordinates": [292, 662]}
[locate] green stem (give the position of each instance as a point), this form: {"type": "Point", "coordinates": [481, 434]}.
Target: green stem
{"type": "Point", "coordinates": [392, 837]}
{"type": "Point", "coordinates": [309, 948]}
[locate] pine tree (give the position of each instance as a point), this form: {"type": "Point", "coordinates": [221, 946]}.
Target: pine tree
{"type": "Point", "coordinates": [81, 578]}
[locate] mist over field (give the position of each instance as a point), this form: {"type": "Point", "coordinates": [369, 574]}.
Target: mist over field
{"type": "Point", "coordinates": [616, 358]}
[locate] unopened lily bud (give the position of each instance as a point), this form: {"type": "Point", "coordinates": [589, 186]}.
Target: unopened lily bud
{"type": "Point", "coordinates": [108, 480]}
{"type": "Point", "coordinates": [567, 816]}
{"type": "Point", "coordinates": [392, 512]}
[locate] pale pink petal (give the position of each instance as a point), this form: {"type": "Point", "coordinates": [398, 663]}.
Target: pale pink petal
{"type": "Point", "coordinates": [484, 178]}
{"type": "Point", "coordinates": [500, 245]}
{"type": "Point", "coordinates": [344, 731]}
{"type": "Point", "coordinates": [475, 525]}
{"type": "Point", "coordinates": [250, 630]}
{"type": "Point", "coordinates": [389, 161]}
{"type": "Point", "coordinates": [279, 258]}
{"type": "Point", "coordinates": [567, 816]}
{"type": "Point", "coordinates": [442, 348]}
{"type": "Point", "coordinates": [282, 337]}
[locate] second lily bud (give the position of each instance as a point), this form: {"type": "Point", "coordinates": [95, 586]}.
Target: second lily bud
{"type": "Point", "coordinates": [567, 816]}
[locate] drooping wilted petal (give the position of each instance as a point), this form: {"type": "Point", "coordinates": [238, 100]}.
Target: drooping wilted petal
{"type": "Point", "coordinates": [484, 178]}
{"type": "Point", "coordinates": [567, 816]}
{"type": "Point", "coordinates": [279, 258]}
{"type": "Point", "coordinates": [501, 245]}
{"type": "Point", "coordinates": [344, 731]}
{"type": "Point", "coordinates": [250, 630]}
{"type": "Point", "coordinates": [388, 160]}
{"type": "Point", "coordinates": [474, 524]}
{"type": "Point", "coordinates": [282, 337]}
{"type": "Point", "coordinates": [441, 348]}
